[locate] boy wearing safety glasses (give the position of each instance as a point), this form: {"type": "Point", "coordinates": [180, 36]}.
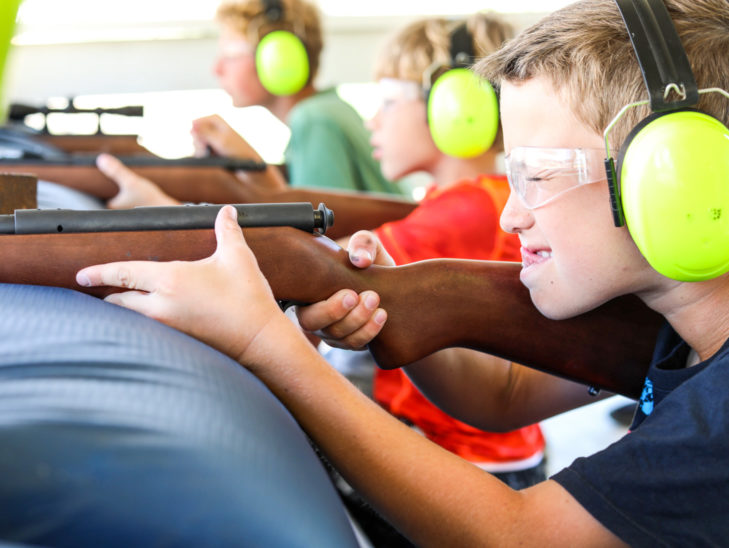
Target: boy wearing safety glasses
{"type": "Point", "coordinates": [457, 218]}
{"type": "Point", "coordinates": [667, 482]}
{"type": "Point", "coordinates": [328, 146]}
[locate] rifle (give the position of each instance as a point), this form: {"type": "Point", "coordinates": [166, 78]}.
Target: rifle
{"type": "Point", "coordinates": [431, 305]}
{"type": "Point", "coordinates": [22, 142]}
{"type": "Point", "coordinates": [43, 143]}
{"type": "Point", "coordinates": [211, 179]}
{"type": "Point", "coordinates": [117, 144]}
{"type": "Point", "coordinates": [17, 192]}
{"type": "Point", "coordinates": [17, 112]}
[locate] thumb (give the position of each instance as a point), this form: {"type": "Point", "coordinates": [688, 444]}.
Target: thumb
{"type": "Point", "coordinates": [365, 249]}
{"type": "Point", "coordinates": [228, 232]}
{"type": "Point", "coordinates": [115, 170]}
{"type": "Point", "coordinates": [110, 166]}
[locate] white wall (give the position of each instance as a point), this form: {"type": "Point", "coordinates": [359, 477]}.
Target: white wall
{"type": "Point", "coordinates": [38, 71]}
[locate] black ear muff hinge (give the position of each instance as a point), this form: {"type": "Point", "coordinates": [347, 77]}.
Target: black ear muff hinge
{"type": "Point", "coordinates": [615, 202]}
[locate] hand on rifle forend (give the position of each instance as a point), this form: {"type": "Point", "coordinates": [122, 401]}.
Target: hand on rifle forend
{"type": "Point", "coordinates": [134, 190]}
{"type": "Point", "coordinates": [213, 134]}
{"type": "Point", "coordinates": [223, 300]}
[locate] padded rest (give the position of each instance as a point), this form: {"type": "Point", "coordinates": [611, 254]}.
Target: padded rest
{"type": "Point", "coordinates": [116, 430]}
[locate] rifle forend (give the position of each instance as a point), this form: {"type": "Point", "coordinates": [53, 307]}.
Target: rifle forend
{"type": "Point", "coordinates": [431, 305]}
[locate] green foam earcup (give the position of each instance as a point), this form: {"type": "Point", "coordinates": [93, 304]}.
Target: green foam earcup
{"type": "Point", "coordinates": [282, 63]}
{"type": "Point", "coordinates": [674, 182]}
{"type": "Point", "coordinates": [463, 113]}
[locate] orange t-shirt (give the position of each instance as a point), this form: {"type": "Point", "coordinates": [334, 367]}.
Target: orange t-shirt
{"type": "Point", "coordinates": [460, 222]}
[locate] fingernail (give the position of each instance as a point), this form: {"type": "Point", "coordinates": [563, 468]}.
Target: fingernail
{"type": "Point", "coordinates": [83, 280]}
{"type": "Point", "coordinates": [232, 214]}
{"type": "Point", "coordinates": [349, 301]}
{"type": "Point", "coordinates": [380, 317]}
{"type": "Point", "coordinates": [371, 302]}
{"type": "Point", "coordinates": [360, 255]}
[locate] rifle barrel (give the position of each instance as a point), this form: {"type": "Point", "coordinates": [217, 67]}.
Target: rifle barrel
{"type": "Point", "coordinates": [140, 160]}
{"type": "Point", "coordinates": [189, 217]}
{"type": "Point", "coordinates": [18, 111]}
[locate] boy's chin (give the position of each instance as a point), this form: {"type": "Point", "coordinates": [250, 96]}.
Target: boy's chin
{"type": "Point", "coordinates": [557, 309]}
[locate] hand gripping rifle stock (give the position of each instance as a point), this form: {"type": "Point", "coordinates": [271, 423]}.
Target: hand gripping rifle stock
{"type": "Point", "coordinates": [431, 305]}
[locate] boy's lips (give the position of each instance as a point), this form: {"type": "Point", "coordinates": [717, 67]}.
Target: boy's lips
{"type": "Point", "coordinates": [533, 256]}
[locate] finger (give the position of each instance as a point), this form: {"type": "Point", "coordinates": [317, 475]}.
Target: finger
{"type": "Point", "coordinates": [228, 232]}
{"type": "Point", "coordinates": [354, 320]}
{"type": "Point", "coordinates": [343, 314]}
{"type": "Point", "coordinates": [112, 167]}
{"type": "Point", "coordinates": [362, 336]}
{"type": "Point", "coordinates": [322, 314]}
{"type": "Point", "coordinates": [133, 300]}
{"type": "Point", "coordinates": [366, 249]}
{"type": "Point", "coordinates": [139, 275]}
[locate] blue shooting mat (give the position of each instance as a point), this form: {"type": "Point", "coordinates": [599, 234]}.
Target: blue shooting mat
{"type": "Point", "coordinates": [52, 195]}
{"type": "Point", "coordinates": [116, 430]}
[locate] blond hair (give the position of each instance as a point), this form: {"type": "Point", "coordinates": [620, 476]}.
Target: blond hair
{"type": "Point", "coordinates": [409, 53]}
{"type": "Point", "coordinates": [412, 50]}
{"type": "Point", "coordinates": [584, 50]}
{"type": "Point", "coordinates": [248, 18]}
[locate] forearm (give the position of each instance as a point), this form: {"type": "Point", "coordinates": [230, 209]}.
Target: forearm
{"type": "Point", "coordinates": [383, 459]}
{"type": "Point", "coordinates": [431, 495]}
{"type": "Point", "coordinates": [493, 394]}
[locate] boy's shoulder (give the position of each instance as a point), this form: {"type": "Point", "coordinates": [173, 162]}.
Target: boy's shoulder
{"type": "Point", "coordinates": [324, 106]}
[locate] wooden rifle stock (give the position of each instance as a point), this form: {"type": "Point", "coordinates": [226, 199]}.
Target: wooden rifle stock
{"type": "Point", "coordinates": [120, 145]}
{"type": "Point", "coordinates": [431, 305]}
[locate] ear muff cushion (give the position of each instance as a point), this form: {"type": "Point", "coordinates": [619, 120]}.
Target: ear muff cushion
{"type": "Point", "coordinates": [463, 113]}
{"type": "Point", "coordinates": [674, 181]}
{"type": "Point", "coordinates": [8, 10]}
{"type": "Point", "coordinates": [282, 63]}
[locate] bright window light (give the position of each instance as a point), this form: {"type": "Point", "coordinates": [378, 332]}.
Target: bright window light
{"type": "Point", "coordinates": [50, 21]}
{"type": "Point", "coordinates": [423, 8]}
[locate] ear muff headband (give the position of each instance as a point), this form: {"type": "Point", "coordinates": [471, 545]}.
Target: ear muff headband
{"type": "Point", "coordinates": [462, 108]}
{"type": "Point", "coordinates": [282, 62]}
{"type": "Point", "coordinates": [670, 188]}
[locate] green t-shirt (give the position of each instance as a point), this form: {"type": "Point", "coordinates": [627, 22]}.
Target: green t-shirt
{"type": "Point", "coordinates": [330, 147]}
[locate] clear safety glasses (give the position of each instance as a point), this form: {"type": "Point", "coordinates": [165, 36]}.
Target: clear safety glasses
{"type": "Point", "coordinates": [539, 175]}
{"type": "Point", "coordinates": [230, 50]}
{"type": "Point", "coordinates": [392, 90]}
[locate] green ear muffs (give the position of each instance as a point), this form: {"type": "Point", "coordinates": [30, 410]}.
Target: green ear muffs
{"type": "Point", "coordinates": [674, 187]}
{"type": "Point", "coordinates": [282, 63]}
{"type": "Point", "coordinates": [463, 113]}
{"type": "Point", "coordinates": [8, 11]}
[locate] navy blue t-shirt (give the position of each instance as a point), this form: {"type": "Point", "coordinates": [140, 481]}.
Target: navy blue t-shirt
{"type": "Point", "coordinates": [666, 483]}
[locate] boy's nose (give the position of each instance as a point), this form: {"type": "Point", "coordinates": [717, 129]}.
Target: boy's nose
{"type": "Point", "coordinates": [515, 217]}
{"type": "Point", "coordinates": [372, 123]}
{"type": "Point", "coordinates": [218, 66]}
